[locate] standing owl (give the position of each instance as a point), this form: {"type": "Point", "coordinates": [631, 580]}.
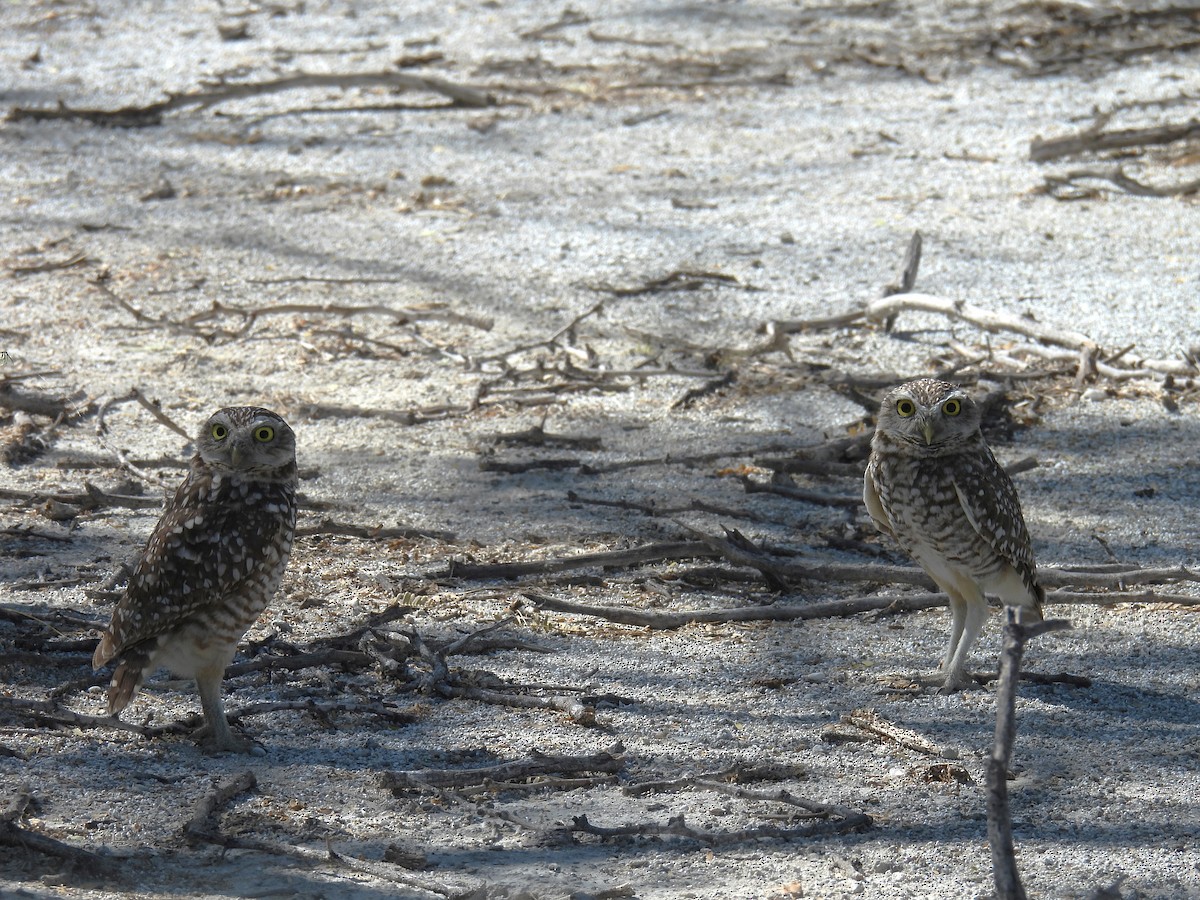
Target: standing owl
{"type": "Point", "coordinates": [213, 563]}
{"type": "Point", "coordinates": [933, 485]}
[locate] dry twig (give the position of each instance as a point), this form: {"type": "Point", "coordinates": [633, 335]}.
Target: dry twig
{"type": "Point", "coordinates": [1096, 139]}
{"type": "Point", "coordinates": [539, 765]}
{"type": "Point", "coordinates": [152, 113]}
{"type": "Point", "coordinates": [834, 822]}
{"type": "Point", "coordinates": [1000, 838]}
{"type": "Point", "coordinates": [870, 721]}
{"type": "Point", "coordinates": [200, 825]}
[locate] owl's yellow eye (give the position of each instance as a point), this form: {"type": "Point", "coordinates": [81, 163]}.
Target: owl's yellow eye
{"type": "Point", "coordinates": [952, 407]}
{"type": "Point", "coordinates": [905, 408]}
{"type": "Point", "coordinates": [219, 432]}
{"type": "Point", "coordinates": [264, 433]}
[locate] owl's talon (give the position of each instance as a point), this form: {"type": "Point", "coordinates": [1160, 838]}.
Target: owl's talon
{"type": "Point", "coordinates": [212, 744]}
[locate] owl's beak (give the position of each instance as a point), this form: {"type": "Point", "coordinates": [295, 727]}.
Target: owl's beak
{"type": "Point", "coordinates": [237, 454]}
{"type": "Point", "coordinates": [927, 430]}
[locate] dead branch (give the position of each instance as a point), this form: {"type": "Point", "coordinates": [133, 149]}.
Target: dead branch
{"type": "Point", "coordinates": [20, 802]}
{"type": "Point", "coordinates": [695, 505]}
{"type": "Point", "coordinates": [42, 712]}
{"type": "Point", "coordinates": [33, 535]}
{"type": "Point", "coordinates": [1106, 598]}
{"type": "Point", "coordinates": [577, 709]}
{"type": "Point", "coordinates": [870, 721]}
{"type": "Point", "coordinates": [818, 498]}
{"type": "Point", "coordinates": [1060, 186]}
{"type": "Point", "coordinates": [1079, 681]}
{"type": "Point", "coordinates": [634, 556]}
{"type": "Point", "coordinates": [75, 259]}
{"type": "Point", "coordinates": [1139, 366]}
{"type": "Point", "coordinates": [736, 774]}
{"type": "Point", "coordinates": [567, 331]}
{"type": "Point", "coordinates": [537, 766]}
{"type": "Point", "coordinates": [537, 436]}
{"type": "Point", "coordinates": [249, 316]}
{"type": "Point", "coordinates": [372, 532]}
{"type": "Point", "coordinates": [38, 403]}
{"type": "Point", "coordinates": [677, 826]}
{"type": "Point", "coordinates": [1111, 578]}
{"type": "Point", "coordinates": [740, 551]}
{"type": "Point", "coordinates": [441, 680]}
{"type": "Point", "coordinates": [353, 638]}
{"type": "Point", "coordinates": [821, 323]}
{"type": "Point", "coordinates": [201, 824]}
{"type": "Point", "coordinates": [529, 465]}
{"type": "Point", "coordinates": [888, 307]}
{"type": "Point", "coordinates": [786, 797]}
{"type": "Point", "coordinates": [13, 835]}
{"type": "Point", "coordinates": [152, 113]}
{"type": "Point", "coordinates": [672, 460]}
{"type": "Point", "coordinates": [676, 280]}
{"type": "Point", "coordinates": [384, 870]}
{"type": "Point", "coordinates": [320, 659]}
{"type": "Point", "coordinates": [771, 613]}
{"type": "Point", "coordinates": [154, 407]}
{"type": "Point", "coordinates": [400, 316]}
{"type": "Point", "coordinates": [1086, 355]}
{"type": "Point", "coordinates": [401, 416]}
{"type": "Point", "coordinates": [851, 606]}
{"type": "Point", "coordinates": [1000, 837]}
{"type": "Point", "coordinates": [908, 274]}
{"type": "Point", "coordinates": [822, 468]}
{"type": "Point", "coordinates": [91, 499]}
{"type": "Point", "coordinates": [1096, 140]}
{"type": "Point", "coordinates": [712, 386]}
{"type": "Point", "coordinates": [710, 546]}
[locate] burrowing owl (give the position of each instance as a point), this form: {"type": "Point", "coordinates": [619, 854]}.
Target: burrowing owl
{"type": "Point", "coordinates": [933, 485]}
{"type": "Point", "coordinates": [212, 564]}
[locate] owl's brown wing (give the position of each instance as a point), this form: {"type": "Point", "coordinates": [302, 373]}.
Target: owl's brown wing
{"type": "Point", "coordinates": [200, 550]}
{"type": "Point", "coordinates": [874, 505]}
{"type": "Point", "coordinates": [989, 500]}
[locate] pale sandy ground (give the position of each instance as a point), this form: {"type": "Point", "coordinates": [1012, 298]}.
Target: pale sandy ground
{"type": "Point", "coordinates": [766, 152]}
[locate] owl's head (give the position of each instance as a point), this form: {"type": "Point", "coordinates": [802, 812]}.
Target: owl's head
{"type": "Point", "coordinates": [247, 439]}
{"type": "Point", "coordinates": [933, 416]}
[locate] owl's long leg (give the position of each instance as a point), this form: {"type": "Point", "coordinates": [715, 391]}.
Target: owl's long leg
{"type": "Point", "coordinates": [217, 735]}
{"type": "Point", "coordinates": [974, 614]}
{"type": "Point", "coordinates": [958, 615]}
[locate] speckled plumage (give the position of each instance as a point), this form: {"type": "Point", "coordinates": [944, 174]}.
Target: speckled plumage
{"type": "Point", "coordinates": [213, 562]}
{"type": "Point", "coordinates": [933, 485]}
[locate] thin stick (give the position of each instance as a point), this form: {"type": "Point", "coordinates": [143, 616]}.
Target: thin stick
{"type": "Point", "coordinates": [1094, 139]}
{"type": "Point", "coordinates": [773, 613]}
{"type": "Point", "coordinates": [1125, 182]}
{"type": "Point", "coordinates": [152, 113]}
{"type": "Point", "coordinates": [887, 307]}
{"type": "Point", "coordinates": [541, 765]}
{"type": "Point", "coordinates": [851, 606]}
{"type": "Point", "coordinates": [1000, 838]}
{"type": "Point", "coordinates": [13, 835]}
{"type": "Point", "coordinates": [155, 409]}
{"type": "Point", "coordinates": [677, 826]}
{"type": "Point", "coordinates": [634, 556]}
{"type": "Point", "coordinates": [199, 824]}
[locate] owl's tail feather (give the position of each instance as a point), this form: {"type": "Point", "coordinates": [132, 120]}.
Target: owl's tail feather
{"type": "Point", "coordinates": [105, 650]}
{"type": "Point", "coordinates": [128, 677]}
{"type": "Point", "coordinates": [1033, 613]}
